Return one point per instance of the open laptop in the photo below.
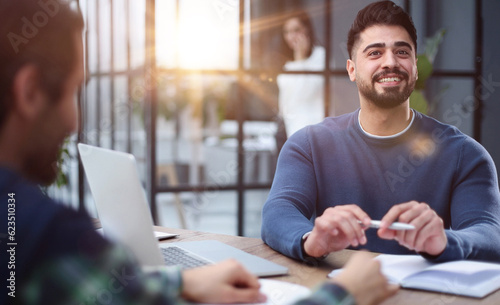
(125, 216)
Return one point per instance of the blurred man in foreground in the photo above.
(54, 255)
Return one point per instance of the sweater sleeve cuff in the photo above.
(453, 250)
(306, 258)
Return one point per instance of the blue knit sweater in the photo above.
(336, 163)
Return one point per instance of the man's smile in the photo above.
(389, 79)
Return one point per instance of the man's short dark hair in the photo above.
(41, 33)
(380, 13)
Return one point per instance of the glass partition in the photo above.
(192, 89)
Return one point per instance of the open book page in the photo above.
(397, 267)
(471, 278)
(466, 267)
(464, 277)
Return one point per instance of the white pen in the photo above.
(394, 226)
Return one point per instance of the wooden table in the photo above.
(310, 276)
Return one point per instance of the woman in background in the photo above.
(301, 96)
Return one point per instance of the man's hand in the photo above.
(364, 281)
(428, 235)
(336, 229)
(226, 282)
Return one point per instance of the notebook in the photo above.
(463, 277)
(125, 217)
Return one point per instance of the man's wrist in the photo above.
(307, 257)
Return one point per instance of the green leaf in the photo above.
(432, 44)
(64, 156)
(418, 101)
(62, 179)
(425, 69)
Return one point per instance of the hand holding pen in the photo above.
(397, 226)
(428, 236)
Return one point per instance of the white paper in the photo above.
(397, 267)
(281, 293)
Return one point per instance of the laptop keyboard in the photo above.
(176, 256)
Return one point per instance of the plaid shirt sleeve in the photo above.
(328, 293)
(110, 277)
(113, 277)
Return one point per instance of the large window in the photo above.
(189, 87)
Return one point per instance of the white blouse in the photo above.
(301, 96)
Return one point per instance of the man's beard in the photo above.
(391, 97)
(42, 167)
(40, 163)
